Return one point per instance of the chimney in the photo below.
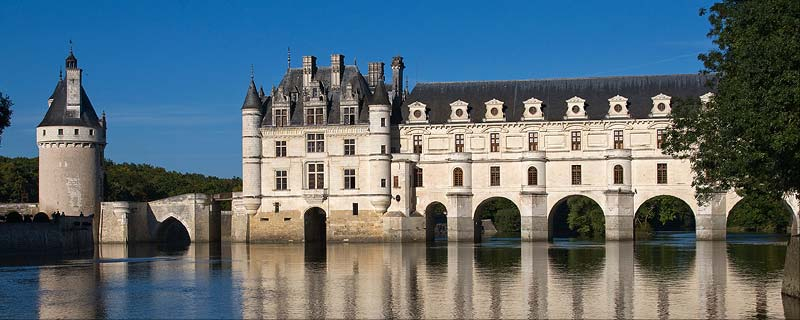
(375, 74)
(397, 75)
(337, 70)
(309, 69)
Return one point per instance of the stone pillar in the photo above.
(711, 218)
(460, 225)
(619, 215)
(791, 270)
(533, 217)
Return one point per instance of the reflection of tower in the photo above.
(71, 140)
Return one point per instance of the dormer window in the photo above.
(576, 108)
(349, 115)
(417, 113)
(315, 116)
(533, 110)
(661, 105)
(618, 107)
(459, 111)
(494, 111)
(281, 117)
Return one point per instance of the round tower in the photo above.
(251, 150)
(380, 161)
(71, 140)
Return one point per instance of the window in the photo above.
(44, 133)
(533, 141)
(349, 115)
(417, 144)
(533, 176)
(618, 174)
(316, 175)
(315, 142)
(60, 132)
(76, 132)
(396, 182)
(383, 149)
(281, 180)
(576, 140)
(494, 142)
(349, 178)
(91, 132)
(659, 138)
(349, 147)
(383, 183)
(661, 173)
(494, 176)
(458, 177)
(576, 174)
(418, 179)
(281, 117)
(383, 122)
(277, 207)
(459, 143)
(315, 116)
(618, 139)
(355, 208)
(280, 148)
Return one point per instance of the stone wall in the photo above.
(22, 208)
(66, 234)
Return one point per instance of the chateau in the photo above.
(333, 154)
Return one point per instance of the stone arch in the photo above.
(13, 217)
(486, 203)
(733, 201)
(687, 221)
(434, 220)
(41, 217)
(556, 220)
(315, 225)
(173, 233)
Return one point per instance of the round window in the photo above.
(575, 109)
(617, 108)
(494, 111)
(417, 114)
(459, 112)
(532, 110)
(661, 107)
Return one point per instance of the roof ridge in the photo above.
(560, 79)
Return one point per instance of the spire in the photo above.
(251, 101)
(71, 61)
(288, 58)
(380, 97)
(261, 91)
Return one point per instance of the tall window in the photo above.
(576, 174)
(76, 131)
(396, 182)
(383, 149)
(417, 144)
(494, 142)
(494, 176)
(349, 178)
(60, 132)
(458, 177)
(316, 175)
(315, 142)
(281, 180)
(349, 147)
(383, 122)
(533, 141)
(661, 173)
(349, 115)
(533, 176)
(618, 174)
(280, 148)
(576, 140)
(459, 142)
(315, 116)
(281, 117)
(618, 139)
(659, 138)
(418, 178)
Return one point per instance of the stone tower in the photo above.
(380, 161)
(251, 149)
(71, 140)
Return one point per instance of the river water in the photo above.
(670, 276)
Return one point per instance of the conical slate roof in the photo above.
(252, 101)
(380, 97)
(57, 113)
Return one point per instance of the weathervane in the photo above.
(252, 72)
(288, 58)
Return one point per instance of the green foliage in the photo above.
(759, 214)
(503, 213)
(5, 112)
(19, 180)
(586, 217)
(748, 137)
(664, 213)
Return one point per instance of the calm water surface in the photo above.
(671, 276)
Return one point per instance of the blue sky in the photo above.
(172, 75)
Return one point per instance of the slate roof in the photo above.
(56, 114)
(437, 96)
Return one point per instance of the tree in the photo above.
(748, 137)
(586, 217)
(5, 113)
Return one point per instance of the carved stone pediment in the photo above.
(618, 107)
(494, 111)
(533, 110)
(576, 108)
(459, 111)
(417, 112)
(661, 106)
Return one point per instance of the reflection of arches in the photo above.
(173, 233)
(503, 213)
(758, 214)
(458, 177)
(591, 222)
(647, 217)
(314, 225)
(435, 221)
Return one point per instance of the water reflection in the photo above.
(668, 277)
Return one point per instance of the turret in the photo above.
(380, 157)
(251, 150)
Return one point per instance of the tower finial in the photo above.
(70, 46)
(288, 58)
(252, 72)
(60, 74)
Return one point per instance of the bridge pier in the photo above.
(619, 215)
(711, 219)
(533, 217)
(460, 224)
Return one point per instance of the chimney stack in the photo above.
(309, 69)
(374, 74)
(397, 75)
(337, 70)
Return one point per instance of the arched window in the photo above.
(533, 176)
(618, 174)
(458, 177)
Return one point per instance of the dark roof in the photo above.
(56, 114)
(251, 100)
(437, 96)
(380, 97)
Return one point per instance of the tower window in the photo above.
(315, 142)
(418, 179)
(349, 178)
(396, 182)
(60, 132)
(618, 174)
(383, 183)
(533, 141)
(76, 132)
(383, 122)
(618, 139)
(533, 176)
(280, 148)
(281, 180)
(494, 142)
(576, 140)
(459, 142)
(458, 177)
(494, 175)
(44, 133)
(91, 132)
(661, 173)
(349, 147)
(576, 174)
(383, 149)
(417, 144)
(316, 175)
